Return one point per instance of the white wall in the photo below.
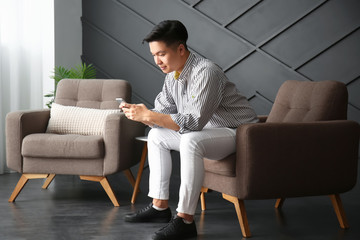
(68, 32)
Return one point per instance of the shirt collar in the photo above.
(187, 67)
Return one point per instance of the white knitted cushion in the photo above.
(77, 120)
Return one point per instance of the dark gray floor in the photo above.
(75, 209)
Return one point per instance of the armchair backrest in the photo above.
(92, 93)
(305, 101)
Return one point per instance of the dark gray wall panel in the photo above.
(261, 104)
(225, 12)
(204, 36)
(192, 2)
(259, 73)
(354, 92)
(269, 17)
(334, 63)
(119, 62)
(260, 44)
(353, 113)
(316, 32)
(122, 24)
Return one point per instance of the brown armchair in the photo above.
(305, 147)
(39, 154)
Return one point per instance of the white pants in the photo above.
(212, 143)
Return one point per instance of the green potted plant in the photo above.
(81, 71)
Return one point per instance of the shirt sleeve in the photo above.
(206, 94)
(164, 102)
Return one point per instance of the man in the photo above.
(196, 113)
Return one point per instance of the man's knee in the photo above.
(163, 138)
(190, 142)
(155, 136)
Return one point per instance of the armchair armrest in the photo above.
(18, 125)
(119, 139)
(296, 159)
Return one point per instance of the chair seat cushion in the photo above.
(49, 145)
(225, 166)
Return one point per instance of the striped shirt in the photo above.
(202, 96)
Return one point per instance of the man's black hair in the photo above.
(169, 31)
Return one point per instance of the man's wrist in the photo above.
(150, 118)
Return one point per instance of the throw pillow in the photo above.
(78, 120)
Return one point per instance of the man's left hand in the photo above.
(135, 112)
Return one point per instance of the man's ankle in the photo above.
(164, 204)
(159, 208)
(188, 218)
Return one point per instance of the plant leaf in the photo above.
(81, 71)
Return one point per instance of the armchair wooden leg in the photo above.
(339, 210)
(21, 183)
(279, 203)
(48, 180)
(105, 184)
(202, 198)
(139, 174)
(241, 213)
(130, 177)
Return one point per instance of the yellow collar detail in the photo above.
(176, 75)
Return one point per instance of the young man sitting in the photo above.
(196, 113)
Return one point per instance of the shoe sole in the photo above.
(160, 237)
(148, 221)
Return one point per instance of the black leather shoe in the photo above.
(176, 229)
(149, 214)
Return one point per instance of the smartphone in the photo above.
(120, 100)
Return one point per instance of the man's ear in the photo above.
(181, 49)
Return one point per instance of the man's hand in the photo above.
(136, 112)
(140, 113)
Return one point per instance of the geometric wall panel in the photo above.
(261, 104)
(354, 93)
(334, 64)
(316, 32)
(114, 20)
(269, 17)
(353, 113)
(223, 13)
(259, 73)
(204, 36)
(192, 2)
(118, 62)
(259, 43)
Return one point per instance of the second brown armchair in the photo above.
(306, 147)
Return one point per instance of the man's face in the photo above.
(167, 58)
